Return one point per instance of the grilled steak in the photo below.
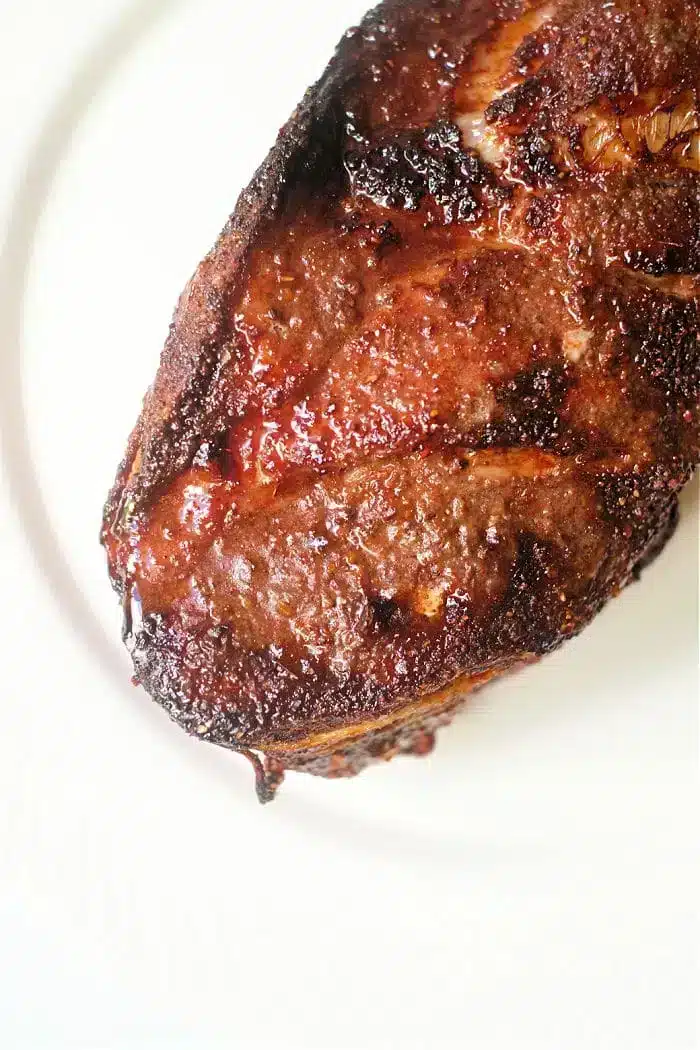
(428, 403)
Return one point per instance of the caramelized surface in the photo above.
(426, 406)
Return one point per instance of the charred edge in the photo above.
(186, 436)
(667, 526)
(166, 664)
(643, 508)
(531, 619)
(183, 671)
(318, 166)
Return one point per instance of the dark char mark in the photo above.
(661, 335)
(404, 171)
(529, 409)
(385, 612)
(666, 260)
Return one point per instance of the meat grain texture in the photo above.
(427, 405)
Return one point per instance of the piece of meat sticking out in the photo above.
(428, 404)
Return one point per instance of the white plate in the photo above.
(528, 885)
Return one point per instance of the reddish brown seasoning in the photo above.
(428, 403)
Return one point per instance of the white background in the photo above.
(531, 885)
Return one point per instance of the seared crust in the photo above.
(428, 403)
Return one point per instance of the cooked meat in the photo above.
(428, 403)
